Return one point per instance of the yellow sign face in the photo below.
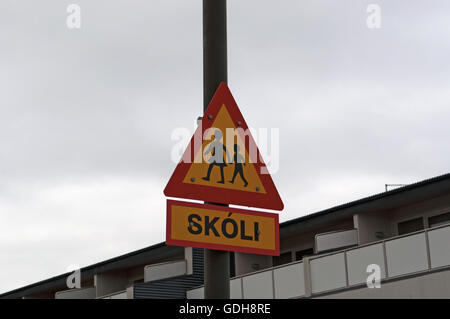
(232, 168)
(222, 228)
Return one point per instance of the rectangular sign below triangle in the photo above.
(222, 228)
(222, 163)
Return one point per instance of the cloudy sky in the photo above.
(86, 116)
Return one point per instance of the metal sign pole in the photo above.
(217, 263)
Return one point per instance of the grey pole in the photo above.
(214, 47)
(217, 263)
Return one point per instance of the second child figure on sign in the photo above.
(238, 168)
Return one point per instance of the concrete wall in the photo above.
(110, 282)
(82, 293)
(246, 263)
(370, 226)
(165, 270)
(431, 285)
(428, 208)
(306, 240)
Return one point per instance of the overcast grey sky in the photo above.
(86, 115)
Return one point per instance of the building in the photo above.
(404, 232)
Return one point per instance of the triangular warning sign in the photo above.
(222, 163)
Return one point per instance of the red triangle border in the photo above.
(176, 188)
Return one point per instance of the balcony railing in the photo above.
(397, 257)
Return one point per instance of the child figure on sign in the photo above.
(217, 149)
(238, 168)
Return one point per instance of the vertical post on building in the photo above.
(217, 263)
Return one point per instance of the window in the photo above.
(439, 220)
(410, 226)
(303, 253)
(284, 258)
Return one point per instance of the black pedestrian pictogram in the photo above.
(217, 157)
(238, 168)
